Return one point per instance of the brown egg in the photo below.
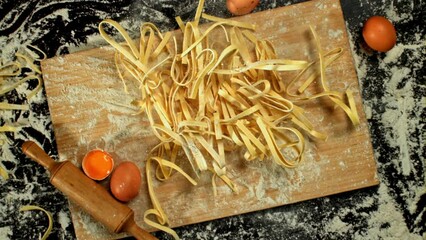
(241, 7)
(125, 181)
(379, 33)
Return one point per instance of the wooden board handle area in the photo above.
(86, 193)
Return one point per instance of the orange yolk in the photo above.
(97, 164)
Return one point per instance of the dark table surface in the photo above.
(393, 91)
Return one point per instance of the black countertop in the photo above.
(393, 91)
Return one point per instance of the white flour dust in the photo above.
(399, 121)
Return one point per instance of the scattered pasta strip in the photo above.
(25, 79)
(229, 22)
(3, 173)
(38, 52)
(334, 96)
(13, 70)
(157, 211)
(49, 216)
(9, 70)
(206, 96)
(8, 129)
(16, 72)
(8, 106)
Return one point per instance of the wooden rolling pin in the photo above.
(88, 194)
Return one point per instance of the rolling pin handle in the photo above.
(132, 228)
(92, 197)
(36, 153)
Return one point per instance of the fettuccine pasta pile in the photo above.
(206, 98)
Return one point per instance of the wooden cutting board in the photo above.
(89, 109)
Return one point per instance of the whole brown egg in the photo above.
(241, 7)
(125, 181)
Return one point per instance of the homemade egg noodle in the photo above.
(207, 98)
(12, 71)
(48, 214)
(11, 77)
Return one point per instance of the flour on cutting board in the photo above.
(109, 103)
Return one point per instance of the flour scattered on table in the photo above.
(64, 219)
(6, 232)
(395, 111)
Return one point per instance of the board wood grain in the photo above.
(89, 109)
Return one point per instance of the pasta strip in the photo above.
(16, 70)
(29, 61)
(271, 65)
(252, 138)
(9, 106)
(229, 22)
(3, 173)
(38, 50)
(48, 214)
(157, 211)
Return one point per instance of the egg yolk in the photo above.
(97, 164)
